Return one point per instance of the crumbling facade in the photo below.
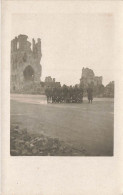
(25, 63)
(88, 78)
(51, 82)
(109, 90)
(49, 79)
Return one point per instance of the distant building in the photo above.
(25, 64)
(88, 78)
(109, 90)
(49, 79)
(50, 82)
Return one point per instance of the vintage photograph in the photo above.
(62, 85)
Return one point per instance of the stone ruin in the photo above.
(51, 82)
(88, 78)
(25, 64)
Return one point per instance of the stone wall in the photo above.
(25, 63)
(109, 90)
(51, 82)
(88, 78)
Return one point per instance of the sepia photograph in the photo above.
(62, 84)
(62, 97)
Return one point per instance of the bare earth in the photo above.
(84, 126)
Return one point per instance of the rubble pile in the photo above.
(22, 143)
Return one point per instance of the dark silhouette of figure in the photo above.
(48, 92)
(90, 94)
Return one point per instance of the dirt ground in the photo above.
(83, 126)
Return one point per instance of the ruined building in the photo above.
(51, 82)
(25, 64)
(88, 78)
(109, 90)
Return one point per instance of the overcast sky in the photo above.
(71, 42)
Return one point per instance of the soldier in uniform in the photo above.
(48, 92)
(90, 94)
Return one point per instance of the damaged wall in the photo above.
(25, 63)
(88, 78)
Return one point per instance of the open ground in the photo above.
(84, 126)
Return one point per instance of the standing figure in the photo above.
(48, 92)
(90, 94)
(80, 95)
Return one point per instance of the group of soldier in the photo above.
(67, 94)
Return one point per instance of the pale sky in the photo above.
(71, 42)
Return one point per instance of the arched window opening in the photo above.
(28, 73)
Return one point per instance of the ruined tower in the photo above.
(88, 78)
(25, 63)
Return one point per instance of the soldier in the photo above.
(48, 92)
(80, 95)
(90, 94)
(54, 95)
(65, 91)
